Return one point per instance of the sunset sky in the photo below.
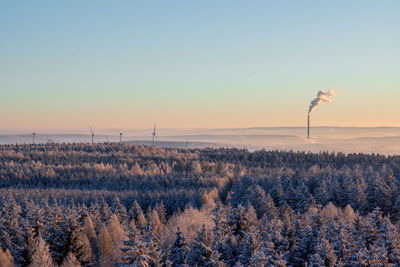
(65, 65)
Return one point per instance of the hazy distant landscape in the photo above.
(383, 140)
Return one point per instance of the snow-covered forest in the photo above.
(125, 205)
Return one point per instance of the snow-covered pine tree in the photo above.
(79, 243)
(271, 211)
(11, 235)
(120, 212)
(389, 238)
(106, 211)
(244, 239)
(140, 219)
(117, 234)
(220, 229)
(152, 241)
(41, 256)
(342, 243)
(325, 253)
(258, 201)
(178, 251)
(201, 252)
(94, 212)
(161, 211)
(56, 235)
(134, 250)
(105, 243)
(88, 229)
(258, 259)
(70, 261)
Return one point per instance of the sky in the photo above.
(65, 65)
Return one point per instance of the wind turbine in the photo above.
(33, 138)
(92, 134)
(154, 134)
(120, 138)
(49, 141)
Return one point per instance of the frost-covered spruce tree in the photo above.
(228, 252)
(280, 260)
(41, 254)
(134, 250)
(152, 215)
(11, 235)
(94, 212)
(302, 243)
(258, 259)
(269, 252)
(70, 261)
(201, 252)
(31, 235)
(315, 260)
(131, 237)
(26, 256)
(271, 211)
(220, 229)
(287, 238)
(120, 212)
(117, 234)
(178, 251)
(105, 242)
(388, 239)
(325, 253)
(161, 211)
(258, 201)
(359, 254)
(373, 237)
(138, 215)
(342, 243)
(88, 230)
(79, 243)
(56, 235)
(106, 211)
(248, 247)
(396, 210)
(152, 241)
(377, 256)
(242, 239)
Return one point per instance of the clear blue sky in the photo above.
(127, 64)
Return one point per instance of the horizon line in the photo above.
(80, 131)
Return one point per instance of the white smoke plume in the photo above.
(322, 98)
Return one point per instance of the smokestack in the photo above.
(322, 98)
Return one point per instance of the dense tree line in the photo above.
(123, 205)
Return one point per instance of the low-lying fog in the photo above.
(384, 140)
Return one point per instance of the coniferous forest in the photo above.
(123, 205)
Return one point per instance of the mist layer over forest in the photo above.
(383, 140)
(128, 205)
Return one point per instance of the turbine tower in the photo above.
(154, 134)
(92, 134)
(33, 138)
(120, 138)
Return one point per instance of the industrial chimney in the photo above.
(322, 98)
